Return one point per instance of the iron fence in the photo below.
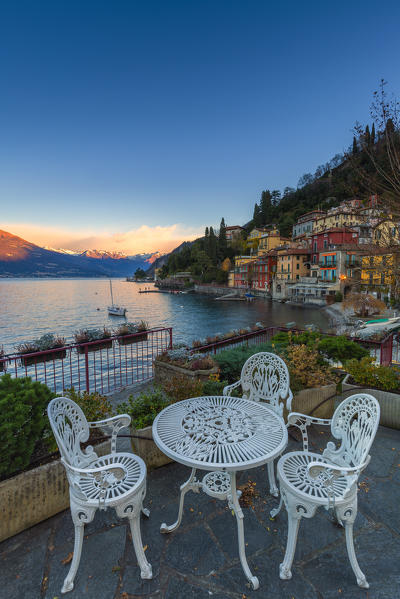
(104, 366)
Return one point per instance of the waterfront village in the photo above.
(331, 252)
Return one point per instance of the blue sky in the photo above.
(118, 117)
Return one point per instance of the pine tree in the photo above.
(276, 197)
(355, 146)
(206, 234)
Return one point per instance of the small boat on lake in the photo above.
(115, 310)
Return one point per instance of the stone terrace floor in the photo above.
(200, 560)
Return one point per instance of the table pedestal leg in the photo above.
(234, 505)
(190, 485)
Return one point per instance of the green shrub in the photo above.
(365, 373)
(144, 407)
(341, 349)
(23, 419)
(231, 361)
(284, 338)
(338, 296)
(213, 387)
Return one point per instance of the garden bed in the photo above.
(318, 402)
(165, 372)
(389, 402)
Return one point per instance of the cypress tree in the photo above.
(222, 244)
(265, 207)
(212, 249)
(367, 136)
(355, 146)
(256, 216)
(373, 134)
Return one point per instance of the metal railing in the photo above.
(104, 365)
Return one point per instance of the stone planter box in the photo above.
(147, 449)
(389, 402)
(308, 401)
(163, 371)
(99, 345)
(35, 495)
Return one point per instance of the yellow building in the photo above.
(338, 218)
(292, 264)
(253, 238)
(377, 269)
(269, 241)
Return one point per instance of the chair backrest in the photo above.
(70, 429)
(355, 423)
(265, 377)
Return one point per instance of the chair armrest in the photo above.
(289, 401)
(104, 476)
(116, 423)
(335, 470)
(302, 421)
(229, 388)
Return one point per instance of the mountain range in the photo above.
(21, 258)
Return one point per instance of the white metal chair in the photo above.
(308, 480)
(265, 378)
(115, 480)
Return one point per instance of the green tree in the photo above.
(139, 273)
(212, 252)
(266, 207)
(355, 146)
(257, 218)
(276, 197)
(222, 243)
(373, 134)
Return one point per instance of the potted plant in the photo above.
(45, 343)
(132, 332)
(85, 336)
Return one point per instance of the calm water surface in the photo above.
(32, 307)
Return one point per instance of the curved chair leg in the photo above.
(132, 511)
(80, 517)
(146, 512)
(348, 513)
(271, 477)
(273, 513)
(285, 572)
(145, 567)
(234, 504)
(190, 485)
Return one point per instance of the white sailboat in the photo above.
(115, 310)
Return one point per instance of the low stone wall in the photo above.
(389, 403)
(147, 449)
(35, 495)
(163, 372)
(220, 290)
(308, 401)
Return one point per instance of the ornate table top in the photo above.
(220, 433)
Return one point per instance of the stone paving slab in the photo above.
(200, 560)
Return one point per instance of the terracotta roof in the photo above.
(294, 251)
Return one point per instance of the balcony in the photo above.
(327, 264)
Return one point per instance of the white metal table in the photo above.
(222, 435)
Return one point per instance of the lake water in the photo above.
(30, 308)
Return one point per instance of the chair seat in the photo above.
(118, 488)
(292, 471)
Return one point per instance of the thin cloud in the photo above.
(134, 241)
